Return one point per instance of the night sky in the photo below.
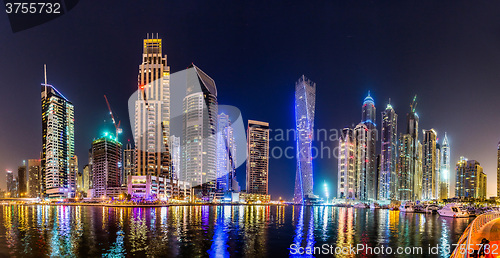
(446, 52)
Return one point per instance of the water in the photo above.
(216, 231)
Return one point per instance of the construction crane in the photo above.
(117, 126)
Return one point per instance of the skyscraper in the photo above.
(445, 169)
(258, 158)
(128, 163)
(429, 166)
(368, 118)
(152, 123)
(199, 139)
(175, 147)
(305, 99)
(405, 168)
(106, 157)
(57, 142)
(470, 179)
(226, 156)
(347, 180)
(73, 175)
(11, 184)
(23, 180)
(35, 178)
(437, 179)
(360, 138)
(387, 189)
(410, 159)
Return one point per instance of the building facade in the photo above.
(106, 170)
(23, 180)
(199, 139)
(258, 158)
(152, 124)
(35, 178)
(387, 186)
(57, 143)
(305, 98)
(226, 156)
(347, 177)
(360, 150)
(368, 118)
(470, 179)
(445, 169)
(430, 166)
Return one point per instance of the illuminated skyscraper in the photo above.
(305, 99)
(175, 147)
(368, 117)
(388, 186)
(128, 163)
(445, 169)
(470, 179)
(226, 156)
(106, 166)
(58, 145)
(438, 171)
(360, 138)
(347, 178)
(429, 166)
(199, 139)
(35, 178)
(152, 123)
(73, 175)
(258, 158)
(11, 184)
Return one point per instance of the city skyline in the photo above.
(430, 86)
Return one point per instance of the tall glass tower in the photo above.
(387, 189)
(429, 166)
(368, 118)
(305, 99)
(445, 169)
(58, 144)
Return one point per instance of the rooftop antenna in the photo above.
(45, 73)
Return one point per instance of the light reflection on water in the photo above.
(215, 231)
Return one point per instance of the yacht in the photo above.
(360, 205)
(374, 205)
(431, 208)
(407, 207)
(453, 210)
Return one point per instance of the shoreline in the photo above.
(142, 205)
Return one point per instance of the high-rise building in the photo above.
(438, 171)
(84, 183)
(23, 180)
(57, 142)
(368, 118)
(73, 176)
(470, 179)
(445, 169)
(226, 156)
(128, 163)
(404, 170)
(35, 178)
(106, 157)
(347, 177)
(11, 184)
(152, 124)
(175, 147)
(360, 150)
(388, 185)
(258, 158)
(410, 159)
(305, 99)
(199, 139)
(429, 166)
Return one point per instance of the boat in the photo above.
(453, 210)
(431, 208)
(374, 205)
(407, 207)
(360, 205)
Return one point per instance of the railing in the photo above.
(464, 246)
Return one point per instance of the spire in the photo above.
(445, 141)
(368, 99)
